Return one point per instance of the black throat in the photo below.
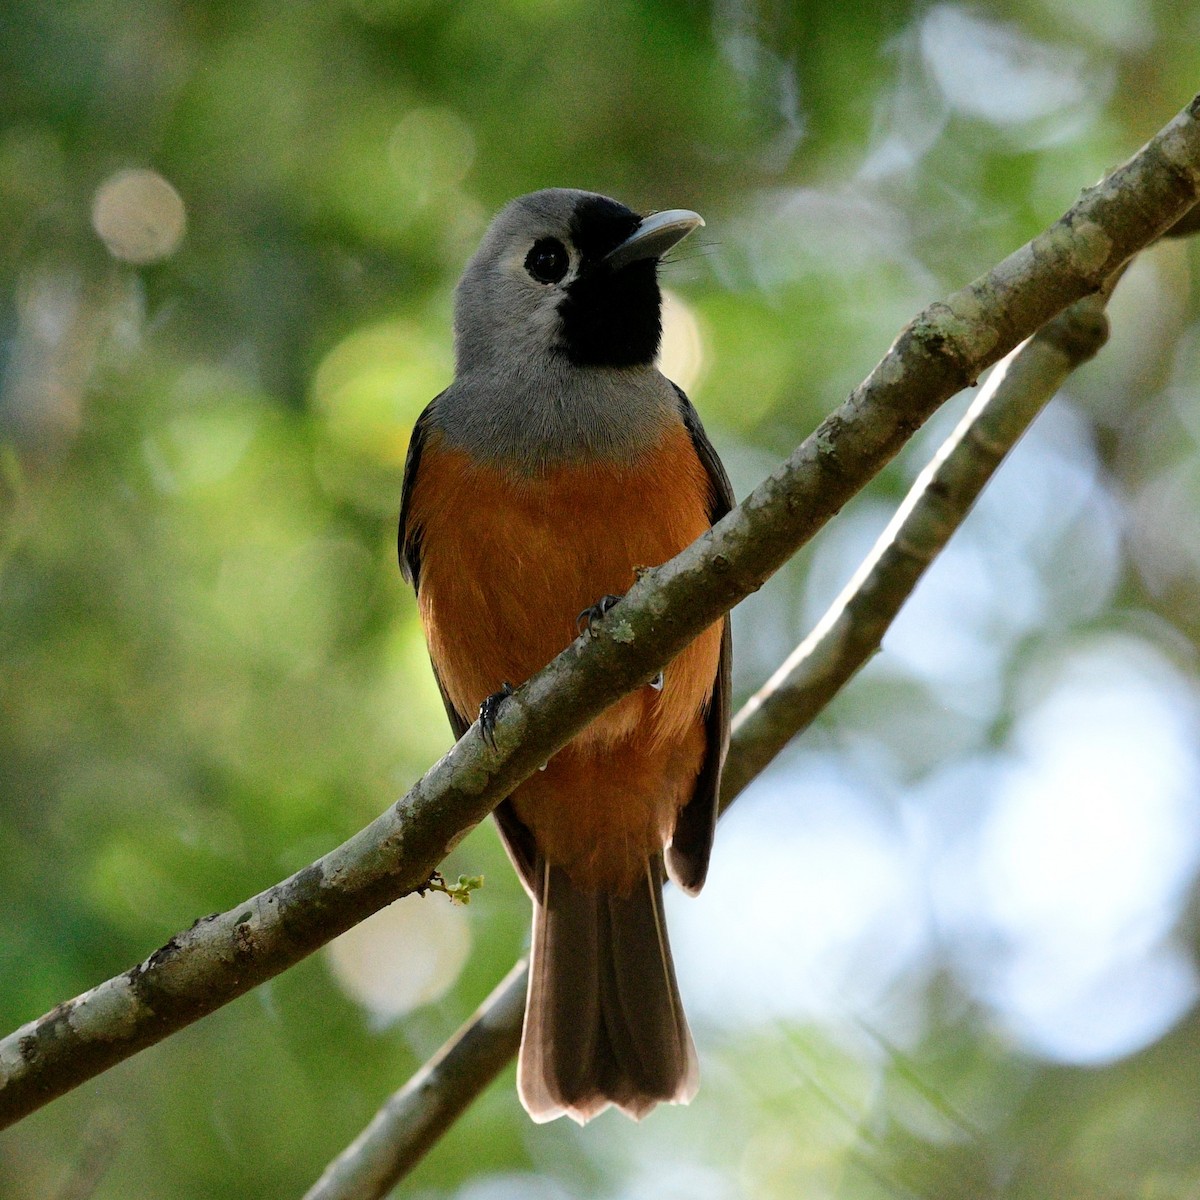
(609, 318)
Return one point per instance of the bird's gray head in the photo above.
(564, 276)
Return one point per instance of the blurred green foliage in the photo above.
(210, 671)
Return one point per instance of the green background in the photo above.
(211, 672)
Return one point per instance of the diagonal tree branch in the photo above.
(417, 1115)
(222, 956)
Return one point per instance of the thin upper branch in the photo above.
(414, 1117)
(941, 497)
(948, 345)
(412, 1120)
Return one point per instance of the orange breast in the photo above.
(507, 563)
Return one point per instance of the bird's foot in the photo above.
(489, 710)
(590, 615)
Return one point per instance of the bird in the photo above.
(558, 464)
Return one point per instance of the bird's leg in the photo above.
(594, 613)
(590, 615)
(489, 710)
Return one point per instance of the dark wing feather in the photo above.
(515, 835)
(408, 541)
(458, 723)
(722, 490)
(517, 839)
(688, 854)
(518, 842)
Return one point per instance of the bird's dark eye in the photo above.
(547, 262)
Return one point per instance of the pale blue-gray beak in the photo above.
(654, 237)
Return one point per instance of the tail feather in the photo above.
(603, 1021)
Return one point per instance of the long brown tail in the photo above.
(603, 1021)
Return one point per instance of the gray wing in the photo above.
(517, 839)
(688, 854)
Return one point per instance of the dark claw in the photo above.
(594, 612)
(489, 710)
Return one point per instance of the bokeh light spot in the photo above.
(820, 917)
(403, 956)
(683, 352)
(139, 216)
(370, 387)
(990, 70)
(1089, 852)
(431, 150)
